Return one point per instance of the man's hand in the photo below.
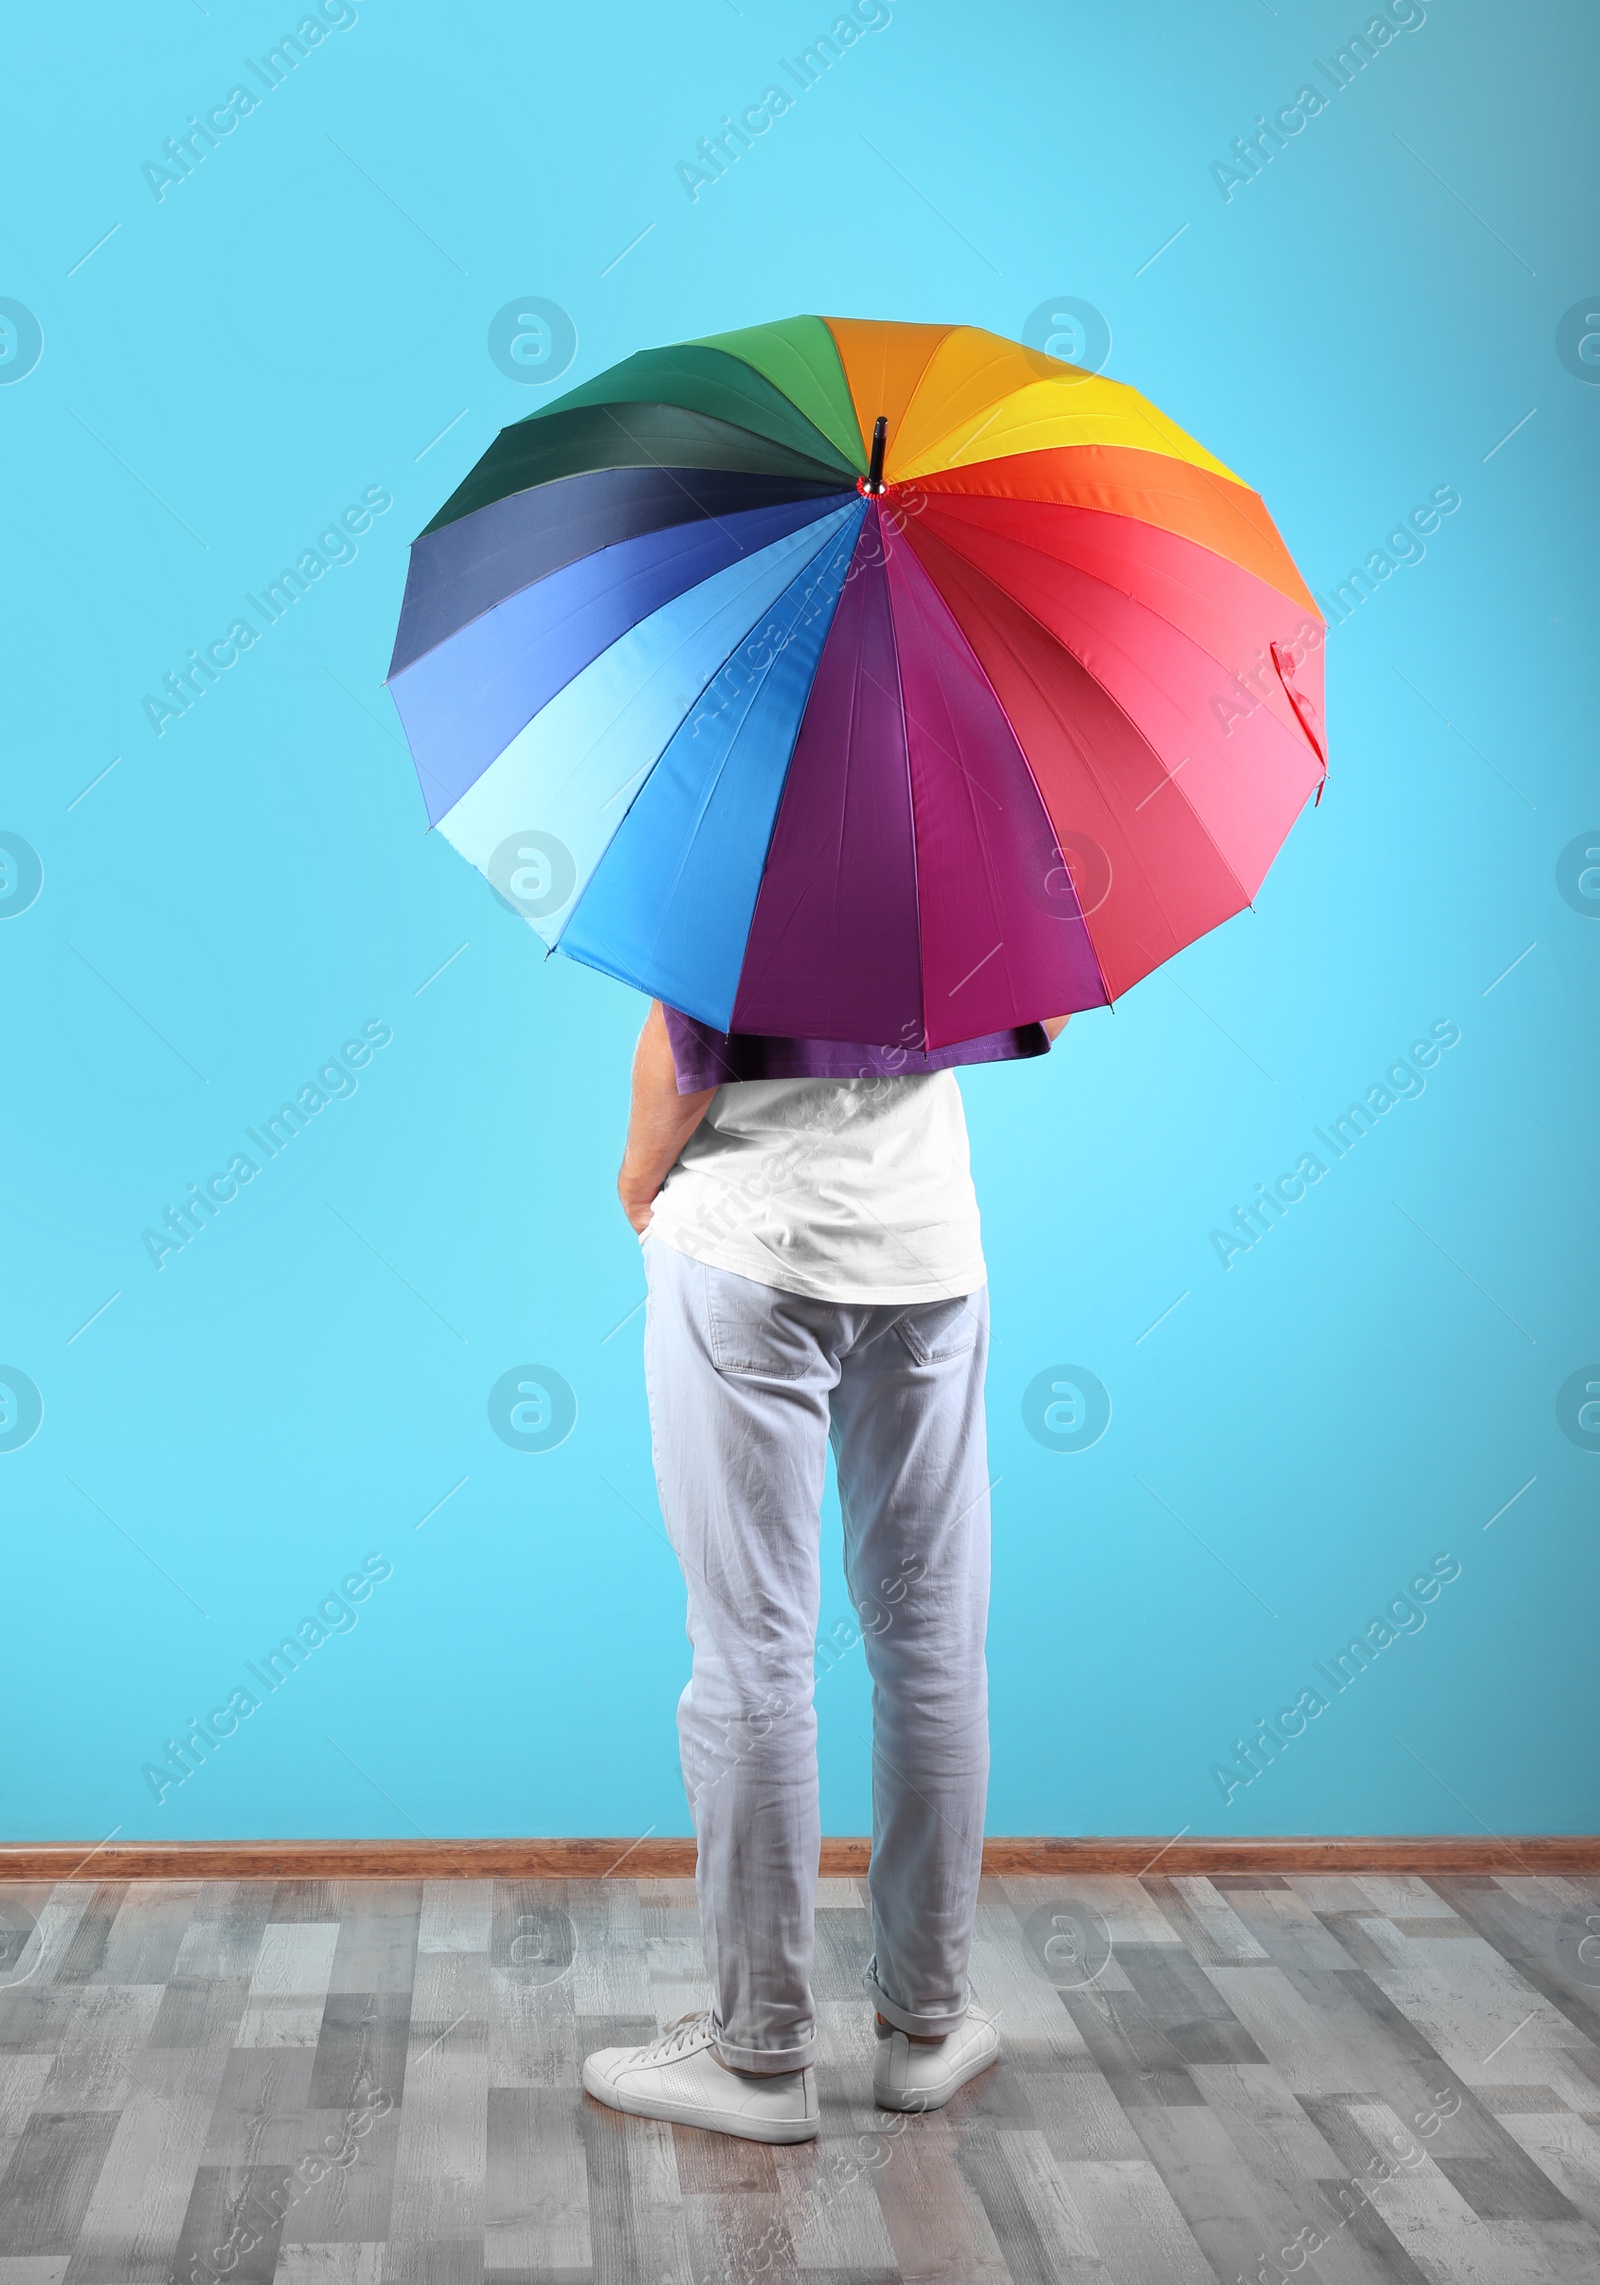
(1055, 1026)
(660, 1121)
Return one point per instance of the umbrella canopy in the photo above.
(860, 681)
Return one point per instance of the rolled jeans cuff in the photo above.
(764, 2062)
(905, 2018)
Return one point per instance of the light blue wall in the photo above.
(1306, 1430)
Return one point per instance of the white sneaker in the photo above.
(678, 2077)
(908, 2075)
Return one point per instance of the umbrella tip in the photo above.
(880, 437)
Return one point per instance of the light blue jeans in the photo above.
(747, 1384)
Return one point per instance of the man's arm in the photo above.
(1056, 1025)
(660, 1120)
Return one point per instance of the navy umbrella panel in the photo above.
(465, 567)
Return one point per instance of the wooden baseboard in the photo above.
(656, 1858)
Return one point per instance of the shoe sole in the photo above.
(716, 2122)
(921, 2098)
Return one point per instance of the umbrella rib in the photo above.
(998, 902)
(1111, 700)
(911, 783)
(828, 550)
(610, 412)
(1190, 586)
(820, 379)
(1229, 495)
(1158, 445)
(922, 374)
(998, 899)
(1087, 762)
(634, 783)
(996, 358)
(825, 380)
(1119, 587)
(1226, 495)
(934, 738)
(801, 895)
(926, 371)
(826, 503)
(982, 671)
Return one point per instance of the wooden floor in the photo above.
(376, 2083)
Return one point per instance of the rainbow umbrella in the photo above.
(860, 681)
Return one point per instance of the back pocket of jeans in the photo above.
(756, 1331)
(939, 1330)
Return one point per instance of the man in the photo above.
(812, 1249)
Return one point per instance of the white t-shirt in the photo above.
(844, 1189)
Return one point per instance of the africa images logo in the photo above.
(1066, 1408)
(532, 1408)
(21, 1408)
